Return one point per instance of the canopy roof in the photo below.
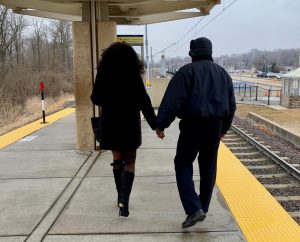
(293, 74)
(131, 12)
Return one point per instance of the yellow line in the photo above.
(260, 217)
(17, 134)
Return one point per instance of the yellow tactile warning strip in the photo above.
(23, 131)
(260, 217)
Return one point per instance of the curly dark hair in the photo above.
(119, 74)
(119, 60)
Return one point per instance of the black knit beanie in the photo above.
(201, 46)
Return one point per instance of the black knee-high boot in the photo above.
(118, 166)
(127, 181)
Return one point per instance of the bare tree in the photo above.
(36, 42)
(62, 43)
(5, 39)
(17, 26)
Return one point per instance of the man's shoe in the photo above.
(192, 219)
(123, 211)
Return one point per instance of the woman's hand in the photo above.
(160, 134)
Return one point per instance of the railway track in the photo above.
(277, 175)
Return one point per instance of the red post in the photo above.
(42, 87)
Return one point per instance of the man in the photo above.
(200, 94)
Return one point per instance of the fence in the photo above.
(269, 95)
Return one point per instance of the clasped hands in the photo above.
(160, 134)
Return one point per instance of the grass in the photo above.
(289, 118)
(14, 116)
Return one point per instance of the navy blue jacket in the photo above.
(199, 90)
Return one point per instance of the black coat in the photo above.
(201, 90)
(120, 113)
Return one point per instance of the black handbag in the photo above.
(97, 127)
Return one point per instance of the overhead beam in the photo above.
(62, 8)
(157, 18)
(155, 7)
(44, 14)
(122, 11)
(209, 7)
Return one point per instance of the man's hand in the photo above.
(160, 134)
(222, 136)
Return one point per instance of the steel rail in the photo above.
(285, 165)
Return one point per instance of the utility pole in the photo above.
(148, 80)
(265, 60)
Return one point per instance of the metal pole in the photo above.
(245, 90)
(94, 41)
(250, 90)
(151, 72)
(43, 102)
(265, 60)
(96, 110)
(280, 97)
(147, 54)
(256, 93)
(269, 93)
(43, 108)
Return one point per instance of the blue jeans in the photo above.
(200, 138)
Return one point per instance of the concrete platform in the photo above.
(50, 192)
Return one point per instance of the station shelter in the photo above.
(290, 96)
(94, 29)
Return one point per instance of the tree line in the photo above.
(259, 60)
(262, 60)
(33, 50)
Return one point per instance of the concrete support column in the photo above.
(83, 77)
(107, 34)
(90, 38)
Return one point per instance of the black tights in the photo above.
(128, 157)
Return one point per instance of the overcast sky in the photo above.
(247, 24)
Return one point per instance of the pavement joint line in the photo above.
(134, 176)
(153, 232)
(27, 150)
(106, 176)
(72, 178)
(34, 231)
(45, 226)
(34, 178)
(157, 148)
(14, 235)
(94, 158)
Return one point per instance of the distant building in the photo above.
(290, 96)
(231, 69)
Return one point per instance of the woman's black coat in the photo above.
(120, 112)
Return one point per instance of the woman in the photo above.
(120, 91)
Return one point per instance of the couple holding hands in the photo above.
(200, 94)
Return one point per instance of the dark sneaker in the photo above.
(192, 219)
(123, 212)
